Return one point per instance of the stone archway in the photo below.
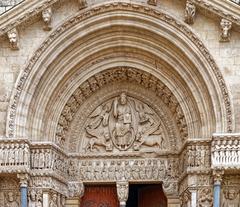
(67, 101)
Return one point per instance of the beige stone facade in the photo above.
(120, 92)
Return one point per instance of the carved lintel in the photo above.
(23, 179)
(122, 192)
(82, 4)
(47, 18)
(217, 176)
(226, 26)
(152, 2)
(76, 189)
(190, 12)
(13, 39)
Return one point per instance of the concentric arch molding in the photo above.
(108, 7)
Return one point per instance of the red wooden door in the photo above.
(100, 196)
(151, 196)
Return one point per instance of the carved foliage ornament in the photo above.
(121, 123)
(122, 192)
(139, 113)
(80, 17)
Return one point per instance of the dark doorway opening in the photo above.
(146, 195)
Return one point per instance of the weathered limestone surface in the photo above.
(120, 92)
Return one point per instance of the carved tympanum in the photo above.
(122, 123)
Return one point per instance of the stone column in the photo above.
(217, 175)
(23, 189)
(193, 197)
(46, 199)
(122, 192)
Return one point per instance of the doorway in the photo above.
(146, 195)
(100, 196)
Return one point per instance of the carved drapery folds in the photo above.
(14, 156)
(105, 111)
(226, 26)
(13, 38)
(123, 123)
(190, 12)
(35, 197)
(122, 192)
(47, 18)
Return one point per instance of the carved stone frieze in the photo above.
(190, 12)
(142, 116)
(13, 38)
(48, 182)
(132, 170)
(102, 8)
(226, 26)
(14, 156)
(226, 152)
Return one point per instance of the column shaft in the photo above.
(24, 190)
(216, 195)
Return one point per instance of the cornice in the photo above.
(22, 13)
(28, 9)
(222, 8)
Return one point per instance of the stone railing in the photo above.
(226, 151)
(6, 5)
(14, 156)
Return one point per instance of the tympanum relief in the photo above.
(123, 123)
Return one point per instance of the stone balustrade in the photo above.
(226, 151)
(14, 156)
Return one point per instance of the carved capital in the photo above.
(82, 4)
(47, 18)
(23, 179)
(13, 39)
(76, 189)
(226, 26)
(190, 12)
(217, 176)
(122, 192)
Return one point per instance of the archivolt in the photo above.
(152, 32)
